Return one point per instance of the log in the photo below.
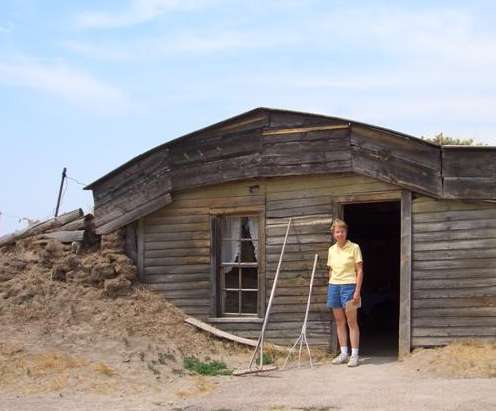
(78, 224)
(219, 333)
(223, 334)
(64, 236)
(41, 227)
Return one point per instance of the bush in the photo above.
(206, 368)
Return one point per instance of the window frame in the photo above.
(217, 311)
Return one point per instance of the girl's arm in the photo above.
(358, 289)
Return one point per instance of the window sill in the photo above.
(235, 320)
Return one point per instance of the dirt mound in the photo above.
(468, 359)
(80, 322)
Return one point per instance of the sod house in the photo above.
(206, 213)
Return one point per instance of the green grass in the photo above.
(266, 359)
(206, 368)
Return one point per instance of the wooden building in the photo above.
(206, 215)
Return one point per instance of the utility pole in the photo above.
(64, 173)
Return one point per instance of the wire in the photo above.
(76, 181)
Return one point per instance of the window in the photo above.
(238, 268)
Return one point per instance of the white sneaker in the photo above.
(353, 362)
(341, 358)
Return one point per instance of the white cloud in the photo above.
(63, 81)
(5, 28)
(149, 48)
(136, 12)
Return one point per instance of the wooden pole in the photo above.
(269, 306)
(64, 173)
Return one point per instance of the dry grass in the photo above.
(76, 338)
(468, 359)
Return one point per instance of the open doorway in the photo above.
(376, 227)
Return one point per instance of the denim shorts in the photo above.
(339, 294)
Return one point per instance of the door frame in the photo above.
(405, 199)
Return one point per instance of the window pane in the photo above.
(231, 277)
(248, 252)
(230, 252)
(252, 227)
(249, 302)
(231, 302)
(249, 278)
(230, 234)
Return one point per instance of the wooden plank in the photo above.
(219, 333)
(456, 312)
(455, 264)
(42, 227)
(397, 171)
(467, 234)
(455, 254)
(454, 322)
(485, 291)
(404, 341)
(175, 278)
(157, 237)
(179, 285)
(180, 228)
(386, 144)
(438, 341)
(140, 239)
(455, 273)
(279, 131)
(469, 161)
(178, 252)
(216, 202)
(132, 214)
(175, 261)
(215, 260)
(190, 269)
(470, 187)
(427, 204)
(458, 215)
(176, 220)
(454, 283)
(472, 302)
(63, 236)
(174, 244)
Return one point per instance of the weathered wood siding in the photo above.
(454, 271)
(469, 172)
(140, 188)
(177, 240)
(404, 161)
(275, 143)
(313, 198)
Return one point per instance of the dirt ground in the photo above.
(377, 384)
(78, 333)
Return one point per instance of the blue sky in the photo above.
(90, 84)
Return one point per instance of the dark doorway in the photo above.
(376, 227)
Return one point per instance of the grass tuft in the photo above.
(206, 368)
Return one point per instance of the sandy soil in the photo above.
(377, 384)
(78, 334)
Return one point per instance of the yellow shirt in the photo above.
(341, 262)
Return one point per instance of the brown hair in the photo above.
(338, 223)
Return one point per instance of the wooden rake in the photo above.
(260, 342)
(302, 339)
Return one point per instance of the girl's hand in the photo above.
(356, 297)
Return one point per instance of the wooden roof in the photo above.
(267, 142)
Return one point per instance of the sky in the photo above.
(90, 84)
